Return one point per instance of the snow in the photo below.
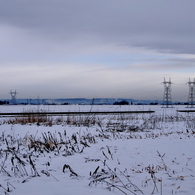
(156, 158)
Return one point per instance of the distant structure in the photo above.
(191, 95)
(93, 100)
(167, 100)
(13, 96)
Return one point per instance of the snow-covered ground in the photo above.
(98, 154)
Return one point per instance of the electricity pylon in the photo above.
(13, 96)
(167, 100)
(191, 95)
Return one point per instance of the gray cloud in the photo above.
(171, 64)
(165, 26)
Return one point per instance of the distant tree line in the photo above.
(123, 102)
(4, 102)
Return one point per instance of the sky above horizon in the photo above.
(94, 49)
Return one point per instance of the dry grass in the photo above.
(18, 158)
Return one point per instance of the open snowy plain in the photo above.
(97, 154)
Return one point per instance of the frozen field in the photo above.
(23, 108)
(97, 154)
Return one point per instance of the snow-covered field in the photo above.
(98, 154)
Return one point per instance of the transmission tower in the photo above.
(13, 96)
(191, 95)
(167, 100)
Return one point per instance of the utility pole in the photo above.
(167, 100)
(191, 95)
(13, 96)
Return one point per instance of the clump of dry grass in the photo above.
(47, 120)
(18, 156)
(112, 179)
(60, 143)
(72, 173)
(31, 119)
(19, 152)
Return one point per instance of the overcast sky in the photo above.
(96, 48)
